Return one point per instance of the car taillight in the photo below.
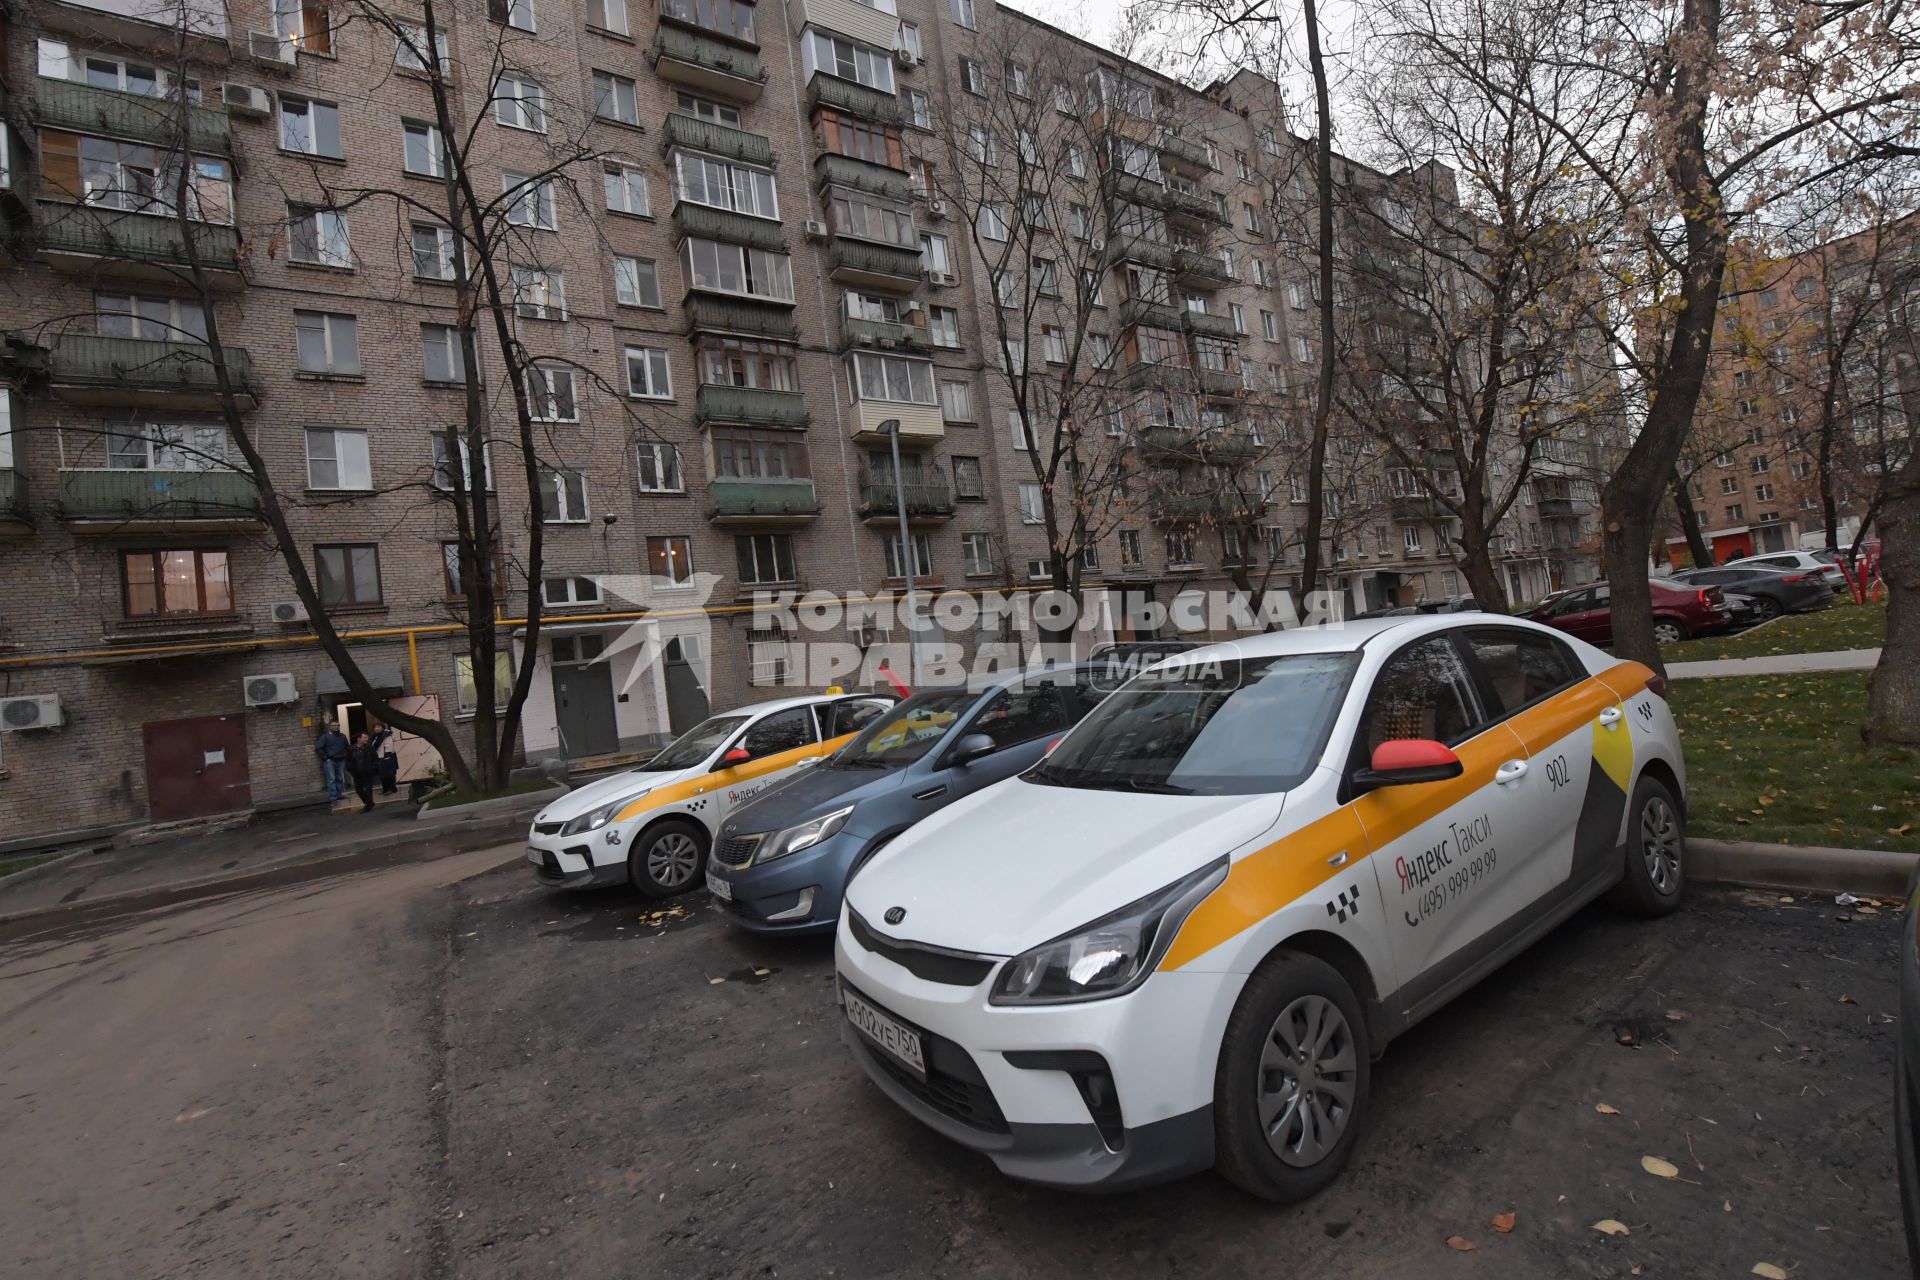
(1797, 577)
(1657, 686)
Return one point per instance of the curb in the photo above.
(1879, 872)
(523, 805)
(57, 860)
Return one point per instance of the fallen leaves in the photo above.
(1659, 1168)
(1612, 1227)
(1503, 1222)
(1768, 1270)
(1606, 1110)
(1460, 1244)
(1848, 1000)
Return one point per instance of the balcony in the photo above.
(1418, 506)
(718, 140)
(1438, 459)
(1197, 205)
(708, 314)
(1143, 375)
(113, 502)
(106, 243)
(861, 175)
(1208, 325)
(1230, 446)
(86, 369)
(1185, 151)
(863, 22)
(1200, 270)
(847, 95)
(750, 405)
(1118, 184)
(928, 501)
(1168, 443)
(886, 334)
(762, 502)
(1222, 384)
(875, 266)
(63, 104)
(1561, 508)
(1151, 253)
(707, 64)
(15, 516)
(1160, 315)
(691, 219)
(921, 425)
(1223, 508)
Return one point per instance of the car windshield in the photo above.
(906, 732)
(696, 744)
(1212, 727)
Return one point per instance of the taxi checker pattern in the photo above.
(1345, 904)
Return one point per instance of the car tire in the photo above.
(1655, 878)
(1767, 608)
(668, 858)
(1269, 1104)
(1669, 631)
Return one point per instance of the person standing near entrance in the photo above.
(332, 748)
(388, 759)
(365, 767)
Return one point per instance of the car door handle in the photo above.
(1511, 771)
(1610, 718)
(930, 792)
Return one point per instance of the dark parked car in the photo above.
(1773, 592)
(1906, 1073)
(1678, 612)
(782, 863)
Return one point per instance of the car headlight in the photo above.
(1111, 956)
(594, 819)
(802, 835)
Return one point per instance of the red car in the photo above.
(1678, 612)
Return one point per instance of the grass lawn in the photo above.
(10, 865)
(1778, 759)
(1844, 626)
(448, 799)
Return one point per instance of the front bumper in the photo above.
(569, 862)
(778, 888)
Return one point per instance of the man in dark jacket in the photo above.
(332, 748)
(364, 767)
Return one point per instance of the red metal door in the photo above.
(196, 767)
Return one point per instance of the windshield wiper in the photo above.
(859, 762)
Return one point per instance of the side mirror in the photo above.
(734, 755)
(1408, 760)
(971, 748)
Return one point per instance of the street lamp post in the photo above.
(892, 428)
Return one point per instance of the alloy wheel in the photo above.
(672, 860)
(1660, 843)
(1308, 1073)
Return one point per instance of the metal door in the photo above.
(583, 704)
(196, 767)
(686, 699)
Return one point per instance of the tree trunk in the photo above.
(1690, 524)
(1323, 388)
(1893, 693)
(1483, 580)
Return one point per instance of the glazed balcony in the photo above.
(928, 501)
(847, 95)
(708, 314)
(875, 266)
(718, 139)
(88, 369)
(15, 516)
(754, 406)
(104, 243)
(701, 220)
(125, 501)
(707, 64)
(762, 502)
(64, 104)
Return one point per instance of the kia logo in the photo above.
(896, 914)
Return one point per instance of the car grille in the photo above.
(935, 964)
(737, 851)
(954, 1086)
(549, 867)
(547, 828)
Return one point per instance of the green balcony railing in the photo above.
(13, 494)
(716, 403)
(846, 171)
(923, 497)
(166, 495)
(845, 95)
(876, 259)
(724, 224)
(718, 139)
(87, 360)
(704, 51)
(766, 498)
(727, 315)
(134, 237)
(65, 104)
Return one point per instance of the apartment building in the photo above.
(745, 296)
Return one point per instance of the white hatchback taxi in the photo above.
(653, 826)
(1179, 940)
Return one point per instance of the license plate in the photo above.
(721, 889)
(898, 1039)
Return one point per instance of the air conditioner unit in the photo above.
(270, 691)
(245, 99)
(1095, 244)
(815, 229)
(869, 636)
(942, 278)
(936, 208)
(905, 58)
(34, 711)
(289, 611)
(274, 50)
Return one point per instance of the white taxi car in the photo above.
(652, 826)
(1179, 940)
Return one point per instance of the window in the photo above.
(728, 17)
(1017, 430)
(466, 698)
(1130, 550)
(1241, 167)
(993, 222)
(636, 282)
(1032, 503)
(626, 188)
(765, 558)
(1735, 511)
(980, 145)
(410, 47)
(318, 237)
(1016, 77)
(1269, 326)
(933, 252)
(309, 127)
(432, 251)
(1422, 692)
(973, 77)
(956, 402)
(1729, 486)
(569, 591)
(1100, 347)
(741, 362)
(1805, 287)
(1302, 350)
(129, 175)
(1260, 272)
(120, 315)
(520, 102)
(962, 11)
(706, 109)
(919, 109)
(866, 218)
(327, 341)
(737, 269)
(841, 57)
(539, 293)
(337, 459)
(976, 554)
(648, 377)
(423, 150)
(908, 41)
(347, 575)
(529, 202)
(442, 359)
(443, 470)
(967, 482)
(945, 325)
(1238, 316)
(550, 393)
(1180, 549)
(660, 468)
(1763, 493)
(1760, 464)
(1410, 537)
(301, 23)
(515, 13)
(891, 378)
(721, 184)
(162, 584)
(155, 446)
(1076, 161)
(749, 453)
(613, 98)
(1046, 277)
(608, 15)
(670, 560)
(922, 557)
(563, 496)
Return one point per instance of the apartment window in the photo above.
(636, 282)
(1053, 343)
(441, 356)
(410, 47)
(1302, 350)
(967, 481)
(962, 11)
(626, 189)
(765, 558)
(1801, 468)
(660, 468)
(933, 252)
(945, 325)
(347, 574)
(1017, 430)
(520, 102)
(129, 175)
(1076, 161)
(1747, 408)
(1131, 554)
(706, 109)
(922, 557)
(670, 559)
(749, 453)
(608, 15)
(737, 269)
(1728, 486)
(318, 237)
(738, 362)
(728, 17)
(723, 185)
(539, 293)
(976, 554)
(993, 222)
(466, 697)
(561, 592)
(848, 60)
(1032, 503)
(154, 446)
(1269, 326)
(529, 202)
(310, 127)
(514, 13)
(908, 41)
(550, 393)
(174, 583)
(1239, 317)
(443, 467)
(973, 77)
(956, 402)
(865, 218)
(1760, 464)
(1027, 144)
(919, 109)
(1410, 538)
(432, 251)
(337, 459)
(1756, 434)
(1241, 167)
(895, 379)
(157, 319)
(327, 342)
(423, 150)
(1805, 287)
(1735, 511)
(1180, 549)
(1016, 77)
(1763, 493)
(1100, 347)
(1723, 459)
(303, 24)
(980, 145)
(613, 98)
(648, 377)
(563, 497)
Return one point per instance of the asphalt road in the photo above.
(440, 1070)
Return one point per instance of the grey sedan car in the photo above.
(781, 864)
